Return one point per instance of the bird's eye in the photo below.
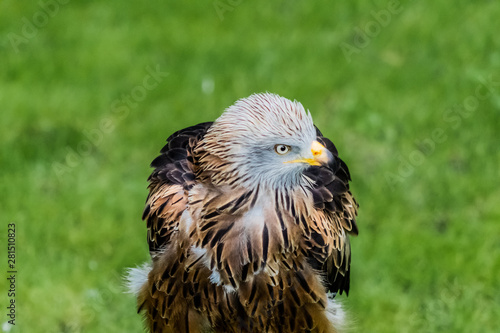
(282, 149)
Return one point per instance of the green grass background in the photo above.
(427, 256)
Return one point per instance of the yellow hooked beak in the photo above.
(321, 155)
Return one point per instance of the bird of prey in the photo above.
(247, 224)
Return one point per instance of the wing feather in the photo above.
(172, 177)
(327, 246)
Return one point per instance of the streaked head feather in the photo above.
(244, 136)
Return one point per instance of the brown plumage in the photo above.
(247, 223)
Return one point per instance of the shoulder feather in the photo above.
(172, 177)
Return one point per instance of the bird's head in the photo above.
(264, 139)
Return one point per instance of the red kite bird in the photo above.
(248, 220)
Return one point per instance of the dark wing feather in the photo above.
(331, 194)
(168, 185)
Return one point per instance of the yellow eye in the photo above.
(282, 149)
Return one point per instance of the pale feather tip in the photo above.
(336, 315)
(136, 277)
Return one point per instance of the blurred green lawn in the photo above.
(402, 95)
